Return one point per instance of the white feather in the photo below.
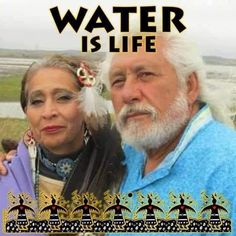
(93, 104)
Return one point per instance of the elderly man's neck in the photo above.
(156, 156)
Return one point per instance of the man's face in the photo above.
(146, 92)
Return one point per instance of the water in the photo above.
(11, 110)
(223, 78)
(14, 65)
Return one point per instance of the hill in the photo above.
(19, 53)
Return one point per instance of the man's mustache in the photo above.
(136, 108)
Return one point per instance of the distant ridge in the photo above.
(99, 56)
(213, 60)
(37, 54)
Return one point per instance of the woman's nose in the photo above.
(49, 110)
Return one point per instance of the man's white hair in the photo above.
(184, 56)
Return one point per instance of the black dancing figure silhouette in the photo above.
(150, 209)
(22, 220)
(86, 209)
(118, 215)
(54, 209)
(182, 212)
(215, 220)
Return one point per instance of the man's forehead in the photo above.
(134, 65)
(160, 45)
(135, 60)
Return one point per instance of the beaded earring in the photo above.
(30, 143)
(32, 149)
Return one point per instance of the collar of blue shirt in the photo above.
(135, 160)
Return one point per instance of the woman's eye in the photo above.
(36, 102)
(64, 98)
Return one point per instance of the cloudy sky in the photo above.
(28, 24)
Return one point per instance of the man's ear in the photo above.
(192, 88)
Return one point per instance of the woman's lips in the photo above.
(52, 128)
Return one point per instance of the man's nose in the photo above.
(131, 92)
(49, 110)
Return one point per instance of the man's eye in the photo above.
(117, 83)
(144, 74)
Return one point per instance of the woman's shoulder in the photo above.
(20, 159)
(19, 177)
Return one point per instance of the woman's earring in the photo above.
(30, 143)
(87, 135)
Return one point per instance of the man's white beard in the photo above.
(157, 132)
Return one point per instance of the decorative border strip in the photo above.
(85, 213)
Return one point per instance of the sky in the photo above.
(28, 24)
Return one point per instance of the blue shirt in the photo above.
(203, 161)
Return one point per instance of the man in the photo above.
(167, 119)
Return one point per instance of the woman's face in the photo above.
(53, 110)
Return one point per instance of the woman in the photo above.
(70, 140)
